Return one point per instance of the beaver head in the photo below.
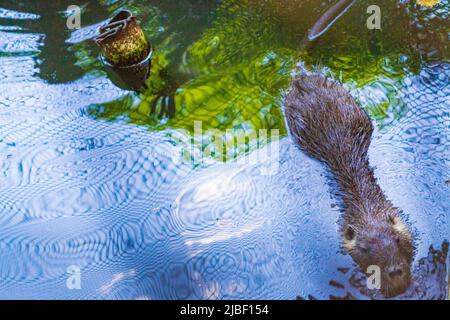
(383, 241)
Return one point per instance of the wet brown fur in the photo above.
(327, 124)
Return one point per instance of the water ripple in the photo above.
(120, 202)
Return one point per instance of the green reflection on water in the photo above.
(228, 65)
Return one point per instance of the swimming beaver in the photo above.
(328, 125)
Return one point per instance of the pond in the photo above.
(214, 201)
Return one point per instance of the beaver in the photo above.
(328, 125)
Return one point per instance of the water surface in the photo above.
(89, 177)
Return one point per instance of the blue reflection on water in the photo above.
(116, 200)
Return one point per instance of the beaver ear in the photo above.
(349, 234)
(392, 219)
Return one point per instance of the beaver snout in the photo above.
(395, 276)
(396, 272)
(396, 281)
(378, 242)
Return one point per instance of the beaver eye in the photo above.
(391, 220)
(397, 240)
(365, 250)
(350, 234)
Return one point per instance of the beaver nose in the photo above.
(395, 272)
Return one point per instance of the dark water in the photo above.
(90, 178)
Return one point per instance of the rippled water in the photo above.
(116, 197)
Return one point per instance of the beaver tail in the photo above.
(327, 124)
